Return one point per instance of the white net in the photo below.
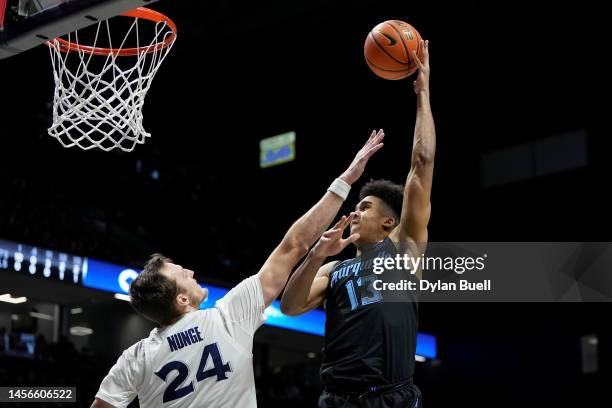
(98, 99)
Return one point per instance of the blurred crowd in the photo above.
(127, 231)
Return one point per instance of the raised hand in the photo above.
(355, 170)
(422, 82)
(331, 242)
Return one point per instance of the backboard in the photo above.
(24, 24)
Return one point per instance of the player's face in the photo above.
(186, 283)
(369, 220)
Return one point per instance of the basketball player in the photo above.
(370, 344)
(202, 358)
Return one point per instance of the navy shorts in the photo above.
(405, 396)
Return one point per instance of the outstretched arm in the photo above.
(306, 230)
(416, 208)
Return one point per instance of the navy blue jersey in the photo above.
(370, 337)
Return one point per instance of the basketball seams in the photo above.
(385, 69)
(387, 74)
(394, 76)
(403, 44)
(385, 55)
(383, 49)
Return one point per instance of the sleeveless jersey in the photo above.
(370, 335)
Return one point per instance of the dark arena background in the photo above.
(518, 159)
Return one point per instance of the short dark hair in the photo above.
(152, 294)
(389, 192)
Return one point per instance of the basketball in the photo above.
(388, 49)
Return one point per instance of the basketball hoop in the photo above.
(100, 90)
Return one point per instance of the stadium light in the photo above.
(80, 331)
(42, 316)
(122, 296)
(10, 299)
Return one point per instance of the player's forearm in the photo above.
(296, 294)
(294, 246)
(424, 145)
(309, 227)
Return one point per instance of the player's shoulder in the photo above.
(340, 263)
(207, 319)
(403, 246)
(136, 350)
(326, 270)
(199, 317)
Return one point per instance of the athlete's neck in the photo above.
(365, 247)
(187, 310)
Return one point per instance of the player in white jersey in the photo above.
(203, 358)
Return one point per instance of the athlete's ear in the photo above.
(182, 299)
(389, 223)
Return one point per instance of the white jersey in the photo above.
(203, 360)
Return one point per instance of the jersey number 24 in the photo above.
(220, 370)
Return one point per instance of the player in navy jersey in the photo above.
(370, 337)
(203, 358)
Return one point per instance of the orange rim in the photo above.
(140, 12)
